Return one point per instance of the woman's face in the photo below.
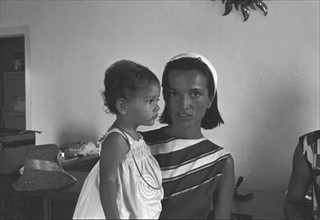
(188, 98)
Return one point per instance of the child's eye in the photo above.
(152, 101)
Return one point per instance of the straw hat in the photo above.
(42, 170)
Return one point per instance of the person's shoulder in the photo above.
(310, 136)
(154, 136)
(115, 141)
(314, 133)
(212, 144)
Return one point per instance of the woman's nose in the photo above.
(186, 101)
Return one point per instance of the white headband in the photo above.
(206, 61)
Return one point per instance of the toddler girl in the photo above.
(126, 182)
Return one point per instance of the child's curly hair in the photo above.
(123, 79)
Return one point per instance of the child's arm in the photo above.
(114, 148)
(223, 202)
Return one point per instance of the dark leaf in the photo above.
(245, 12)
(263, 7)
(228, 7)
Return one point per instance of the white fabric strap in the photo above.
(206, 61)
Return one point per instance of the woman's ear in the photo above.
(210, 100)
(122, 106)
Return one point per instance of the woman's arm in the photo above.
(114, 148)
(299, 183)
(223, 198)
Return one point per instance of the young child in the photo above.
(126, 183)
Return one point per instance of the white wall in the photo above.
(268, 69)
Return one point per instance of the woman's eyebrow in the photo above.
(198, 89)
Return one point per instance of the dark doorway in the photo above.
(12, 81)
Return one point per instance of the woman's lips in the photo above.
(183, 115)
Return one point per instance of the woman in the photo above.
(305, 174)
(196, 172)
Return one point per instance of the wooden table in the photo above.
(81, 163)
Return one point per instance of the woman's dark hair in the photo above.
(123, 79)
(212, 117)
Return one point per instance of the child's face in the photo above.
(143, 107)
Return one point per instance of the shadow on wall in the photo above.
(75, 132)
(275, 135)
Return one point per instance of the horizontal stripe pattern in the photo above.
(190, 169)
(193, 160)
(172, 145)
(193, 187)
(193, 178)
(178, 156)
(193, 203)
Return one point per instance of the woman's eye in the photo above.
(196, 94)
(172, 93)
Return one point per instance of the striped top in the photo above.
(191, 170)
(310, 144)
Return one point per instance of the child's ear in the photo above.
(122, 106)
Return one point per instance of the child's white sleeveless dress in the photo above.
(139, 186)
